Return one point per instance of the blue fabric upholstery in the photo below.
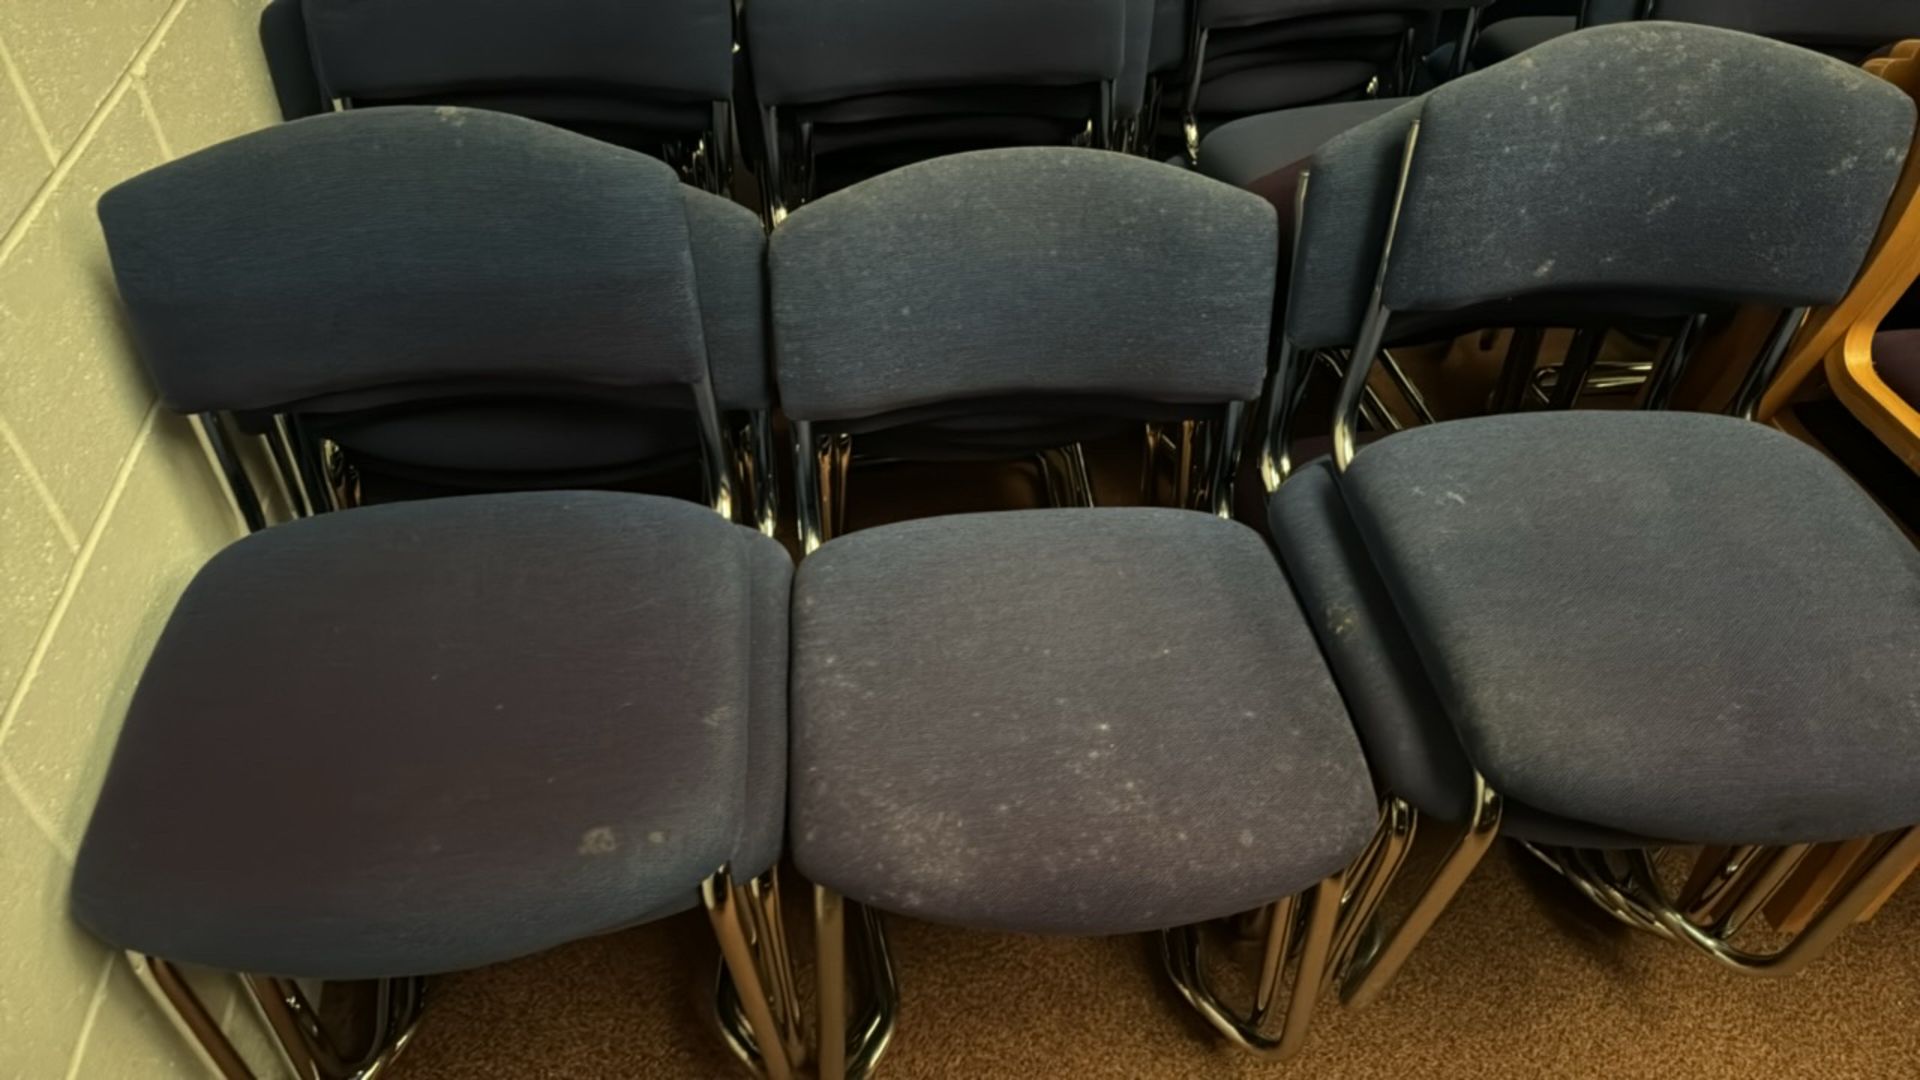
(407, 739)
(1065, 721)
(1672, 624)
(399, 250)
(1007, 273)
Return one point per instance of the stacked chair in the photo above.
(1669, 698)
(851, 88)
(1252, 57)
(1849, 30)
(381, 742)
(450, 299)
(656, 77)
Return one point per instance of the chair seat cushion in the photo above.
(413, 738)
(1065, 721)
(1896, 359)
(1405, 732)
(1674, 625)
(1244, 150)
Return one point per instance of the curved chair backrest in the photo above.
(359, 261)
(852, 87)
(656, 76)
(1707, 165)
(1848, 29)
(1840, 340)
(1004, 274)
(1007, 283)
(1252, 56)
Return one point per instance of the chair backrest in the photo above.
(1015, 275)
(856, 86)
(1890, 267)
(638, 74)
(407, 254)
(1639, 160)
(1849, 29)
(1344, 206)
(1656, 158)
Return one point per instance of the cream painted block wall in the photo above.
(107, 504)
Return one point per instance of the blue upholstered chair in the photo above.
(656, 77)
(1705, 682)
(450, 299)
(465, 730)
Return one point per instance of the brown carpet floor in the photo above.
(1519, 980)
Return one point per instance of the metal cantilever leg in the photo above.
(1843, 907)
(1368, 974)
(1067, 478)
(306, 1048)
(240, 490)
(1301, 933)
(852, 1051)
(756, 1003)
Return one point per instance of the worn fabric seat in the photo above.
(1065, 721)
(408, 739)
(1751, 604)
(1402, 722)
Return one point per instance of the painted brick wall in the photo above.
(107, 505)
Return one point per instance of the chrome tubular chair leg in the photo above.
(184, 1009)
(839, 464)
(240, 491)
(1304, 937)
(1185, 491)
(1367, 881)
(286, 456)
(1150, 465)
(1223, 458)
(1574, 368)
(809, 476)
(730, 908)
(713, 451)
(1063, 470)
(342, 480)
(1673, 363)
(842, 1050)
(1746, 400)
(766, 478)
(773, 180)
(1405, 387)
(310, 1053)
(774, 947)
(1368, 975)
(1843, 908)
(1190, 101)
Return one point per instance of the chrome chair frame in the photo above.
(786, 185)
(317, 476)
(1634, 893)
(756, 993)
(1318, 941)
(1210, 455)
(305, 1049)
(706, 162)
